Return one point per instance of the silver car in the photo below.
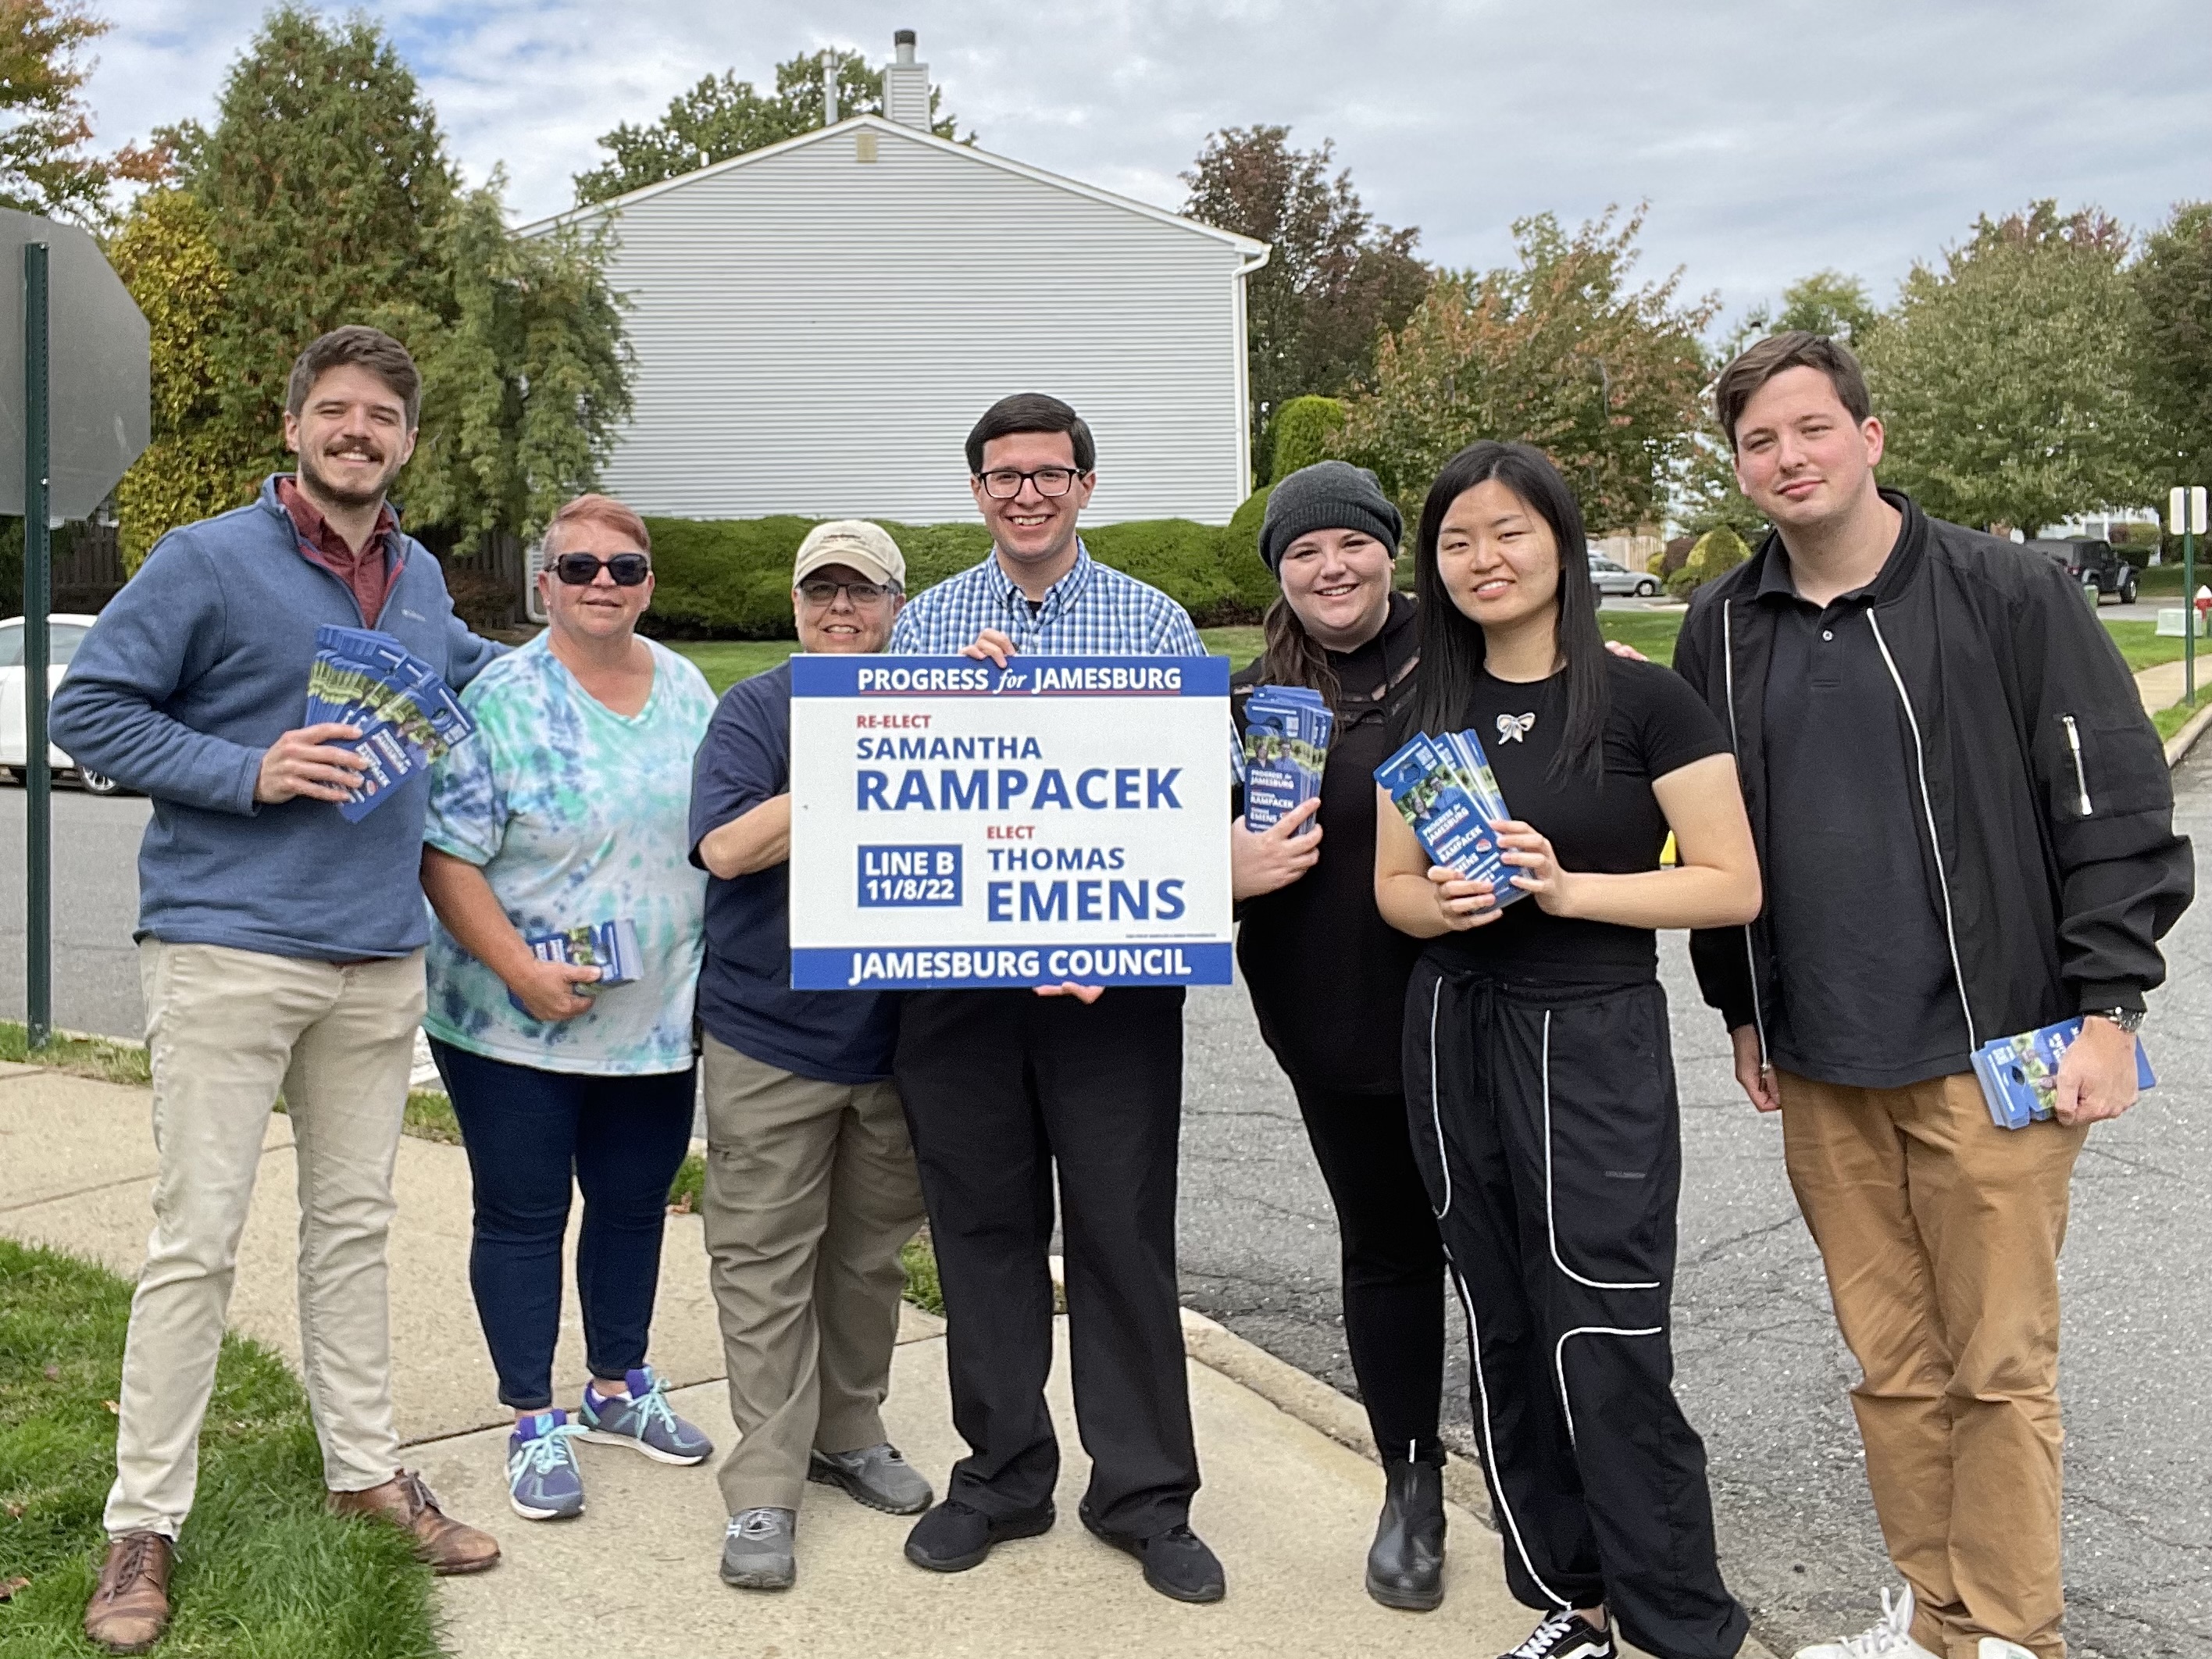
(1610, 578)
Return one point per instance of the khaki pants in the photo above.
(227, 1032)
(811, 1192)
(1941, 1235)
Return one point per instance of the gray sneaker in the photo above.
(875, 1476)
(757, 1550)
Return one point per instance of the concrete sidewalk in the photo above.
(1289, 1507)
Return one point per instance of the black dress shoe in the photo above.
(1177, 1562)
(1406, 1564)
(952, 1537)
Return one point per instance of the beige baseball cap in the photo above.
(868, 548)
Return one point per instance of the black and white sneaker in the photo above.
(1565, 1634)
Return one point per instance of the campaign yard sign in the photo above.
(954, 824)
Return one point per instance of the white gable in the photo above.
(816, 332)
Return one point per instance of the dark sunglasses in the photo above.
(582, 569)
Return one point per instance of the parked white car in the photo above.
(1608, 577)
(63, 635)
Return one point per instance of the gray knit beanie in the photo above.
(1327, 495)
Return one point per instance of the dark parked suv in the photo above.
(2092, 563)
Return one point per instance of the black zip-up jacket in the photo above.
(2042, 803)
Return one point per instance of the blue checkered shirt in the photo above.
(1094, 610)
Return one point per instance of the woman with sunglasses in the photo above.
(567, 815)
(1538, 1075)
(1328, 978)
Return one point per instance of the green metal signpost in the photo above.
(37, 781)
(2185, 519)
(65, 439)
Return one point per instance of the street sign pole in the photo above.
(2185, 517)
(38, 780)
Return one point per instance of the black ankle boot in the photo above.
(1406, 1564)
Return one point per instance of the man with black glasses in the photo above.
(1003, 1086)
(811, 1188)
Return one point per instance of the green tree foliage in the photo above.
(2172, 283)
(196, 464)
(1303, 433)
(1826, 302)
(46, 164)
(723, 116)
(1560, 349)
(1335, 281)
(323, 195)
(2004, 379)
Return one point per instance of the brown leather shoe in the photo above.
(404, 1501)
(130, 1609)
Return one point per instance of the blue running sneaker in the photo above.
(543, 1480)
(643, 1420)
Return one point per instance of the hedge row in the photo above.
(730, 578)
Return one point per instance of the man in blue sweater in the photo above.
(280, 949)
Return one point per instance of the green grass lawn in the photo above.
(263, 1573)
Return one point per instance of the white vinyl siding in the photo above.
(816, 334)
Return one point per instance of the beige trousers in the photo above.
(1941, 1235)
(228, 1031)
(811, 1192)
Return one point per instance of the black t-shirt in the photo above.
(1328, 975)
(1656, 724)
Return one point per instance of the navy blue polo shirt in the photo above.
(1868, 998)
(746, 998)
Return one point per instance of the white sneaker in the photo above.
(1890, 1638)
(1996, 1647)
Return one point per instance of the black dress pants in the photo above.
(1001, 1086)
(1392, 1262)
(1546, 1122)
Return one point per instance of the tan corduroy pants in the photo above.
(811, 1192)
(228, 1031)
(1941, 1235)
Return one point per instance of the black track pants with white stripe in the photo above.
(1545, 1122)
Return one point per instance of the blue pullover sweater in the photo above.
(192, 671)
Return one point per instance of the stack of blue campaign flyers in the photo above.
(1286, 734)
(609, 947)
(1445, 789)
(2019, 1075)
(406, 714)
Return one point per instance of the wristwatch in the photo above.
(2128, 1019)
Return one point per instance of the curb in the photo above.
(2181, 742)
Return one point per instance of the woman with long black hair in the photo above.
(1539, 1081)
(1328, 978)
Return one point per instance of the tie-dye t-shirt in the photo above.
(576, 815)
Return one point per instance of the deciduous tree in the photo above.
(47, 165)
(723, 116)
(2173, 281)
(1561, 349)
(2003, 375)
(1335, 281)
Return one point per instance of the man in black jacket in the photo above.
(1965, 826)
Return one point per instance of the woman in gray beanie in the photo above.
(1328, 977)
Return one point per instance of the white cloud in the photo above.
(1770, 140)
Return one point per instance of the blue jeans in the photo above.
(527, 1132)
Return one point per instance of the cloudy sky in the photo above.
(1769, 140)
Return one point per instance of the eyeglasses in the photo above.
(582, 569)
(821, 593)
(1004, 484)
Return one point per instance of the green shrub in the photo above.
(1301, 434)
(1716, 553)
(1254, 585)
(730, 578)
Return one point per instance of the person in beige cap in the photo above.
(811, 1187)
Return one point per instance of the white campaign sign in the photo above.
(954, 824)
